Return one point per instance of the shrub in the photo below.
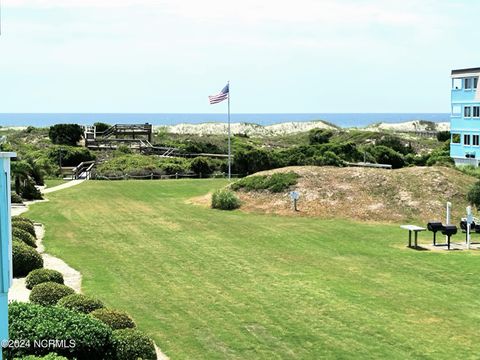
(65, 134)
(49, 293)
(319, 136)
(24, 236)
(15, 198)
(21, 218)
(69, 155)
(385, 155)
(114, 318)
(25, 226)
(51, 356)
(329, 158)
(473, 195)
(30, 192)
(82, 303)
(443, 136)
(201, 166)
(101, 127)
(40, 276)
(275, 183)
(93, 339)
(225, 200)
(132, 344)
(25, 259)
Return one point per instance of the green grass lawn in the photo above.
(54, 182)
(207, 284)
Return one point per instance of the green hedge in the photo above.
(25, 226)
(24, 236)
(225, 200)
(93, 339)
(15, 198)
(114, 318)
(132, 344)
(51, 356)
(275, 183)
(21, 218)
(82, 303)
(49, 293)
(25, 259)
(40, 276)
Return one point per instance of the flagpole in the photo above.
(229, 141)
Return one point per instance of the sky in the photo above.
(167, 56)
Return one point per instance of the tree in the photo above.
(473, 195)
(319, 136)
(101, 127)
(443, 136)
(201, 166)
(65, 134)
(385, 155)
(20, 172)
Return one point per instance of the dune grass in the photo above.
(211, 284)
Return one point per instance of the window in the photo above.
(475, 139)
(476, 111)
(467, 111)
(468, 83)
(475, 82)
(457, 84)
(466, 139)
(455, 138)
(456, 110)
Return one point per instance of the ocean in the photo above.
(339, 119)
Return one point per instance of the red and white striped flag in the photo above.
(223, 95)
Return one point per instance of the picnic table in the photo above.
(415, 229)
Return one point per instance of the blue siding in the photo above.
(5, 243)
(461, 125)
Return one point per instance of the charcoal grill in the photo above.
(449, 230)
(434, 227)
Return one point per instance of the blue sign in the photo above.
(294, 195)
(6, 272)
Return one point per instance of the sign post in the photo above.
(294, 195)
(469, 224)
(449, 210)
(6, 270)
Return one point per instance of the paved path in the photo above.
(62, 186)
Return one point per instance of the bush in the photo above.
(25, 259)
(51, 356)
(65, 134)
(385, 155)
(329, 158)
(30, 192)
(275, 183)
(69, 155)
(25, 226)
(225, 200)
(15, 198)
(132, 344)
(443, 136)
(201, 166)
(21, 218)
(101, 127)
(24, 236)
(82, 303)
(49, 293)
(93, 339)
(319, 136)
(473, 195)
(114, 318)
(40, 276)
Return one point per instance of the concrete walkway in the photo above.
(62, 186)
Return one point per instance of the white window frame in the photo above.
(465, 111)
(468, 81)
(458, 136)
(466, 139)
(475, 140)
(457, 84)
(478, 111)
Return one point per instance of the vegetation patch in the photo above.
(23, 236)
(277, 182)
(49, 293)
(114, 318)
(225, 200)
(40, 276)
(25, 259)
(81, 303)
(133, 344)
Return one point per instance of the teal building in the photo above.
(465, 117)
(5, 242)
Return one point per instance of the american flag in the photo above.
(223, 95)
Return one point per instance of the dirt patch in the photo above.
(367, 194)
